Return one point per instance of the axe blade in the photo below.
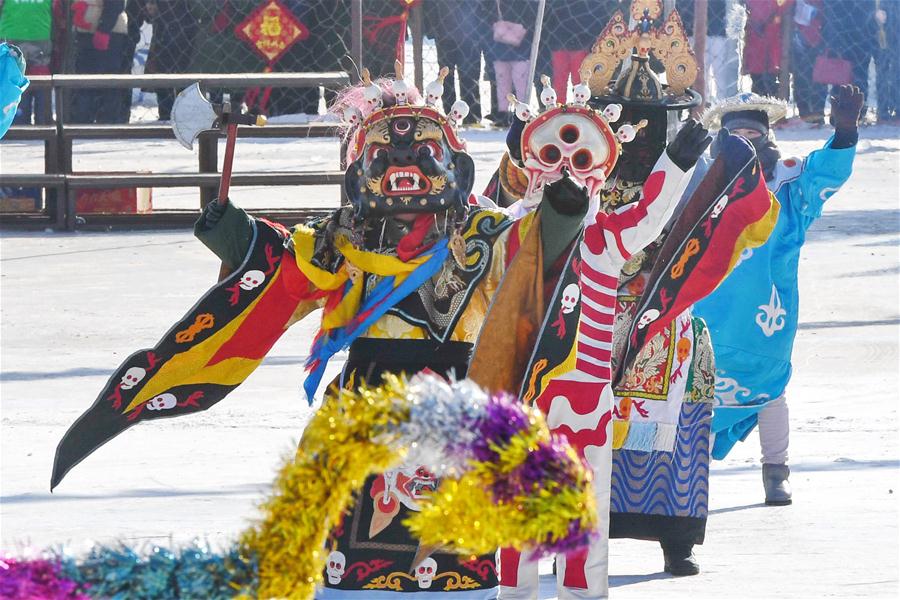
(192, 113)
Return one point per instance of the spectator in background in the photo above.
(762, 43)
(101, 28)
(570, 29)
(172, 44)
(384, 29)
(721, 58)
(303, 103)
(459, 36)
(849, 32)
(887, 57)
(28, 24)
(806, 46)
(511, 61)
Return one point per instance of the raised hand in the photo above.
(846, 105)
(565, 195)
(690, 142)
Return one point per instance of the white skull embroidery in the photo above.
(425, 572)
(582, 93)
(571, 140)
(650, 315)
(334, 568)
(252, 279)
(401, 91)
(523, 111)
(570, 297)
(458, 112)
(162, 402)
(719, 207)
(132, 377)
(352, 116)
(612, 112)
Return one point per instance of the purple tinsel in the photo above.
(548, 462)
(32, 579)
(576, 538)
(503, 419)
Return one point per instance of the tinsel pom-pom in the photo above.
(31, 579)
(337, 453)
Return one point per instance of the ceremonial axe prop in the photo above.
(193, 114)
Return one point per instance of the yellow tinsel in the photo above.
(336, 455)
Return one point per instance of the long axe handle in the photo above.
(227, 163)
(225, 181)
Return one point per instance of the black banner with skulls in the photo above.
(200, 360)
(731, 209)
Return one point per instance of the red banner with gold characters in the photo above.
(271, 30)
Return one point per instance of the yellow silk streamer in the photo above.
(368, 262)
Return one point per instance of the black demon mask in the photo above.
(407, 159)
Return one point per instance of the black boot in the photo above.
(679, 559)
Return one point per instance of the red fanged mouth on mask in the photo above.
(405, 181)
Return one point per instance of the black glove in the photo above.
(211, 214)
(689, 143)
(718, 142)
(565, 195)
(514, 139)
(846, 104)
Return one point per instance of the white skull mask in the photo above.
(132, 377)
(570, 297)
(650, 315)
(572, 140)
(162, 402)
(252, 279)
(719, 207)
(425, 572)
(334, 568)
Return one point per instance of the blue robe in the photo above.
(752, 317)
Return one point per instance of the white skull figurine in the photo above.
(582, 93)
(252, 279)
(425, 572)
(570, 297)
(648, 317)
(522, 110)
(162, 402)
(435, 90)
(612, 112)
(334, 568)
(132, 377)
(626, 133)
(352, 116)
(719, 207)
(401, 91)
(548, 94)
(458, 112)
(373, 97)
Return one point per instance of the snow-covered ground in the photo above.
(75, 304)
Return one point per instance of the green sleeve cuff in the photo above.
(557, 232)
(230, 237)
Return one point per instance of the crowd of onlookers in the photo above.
(832, 42)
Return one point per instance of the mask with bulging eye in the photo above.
(408, 160)
(574, 138)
